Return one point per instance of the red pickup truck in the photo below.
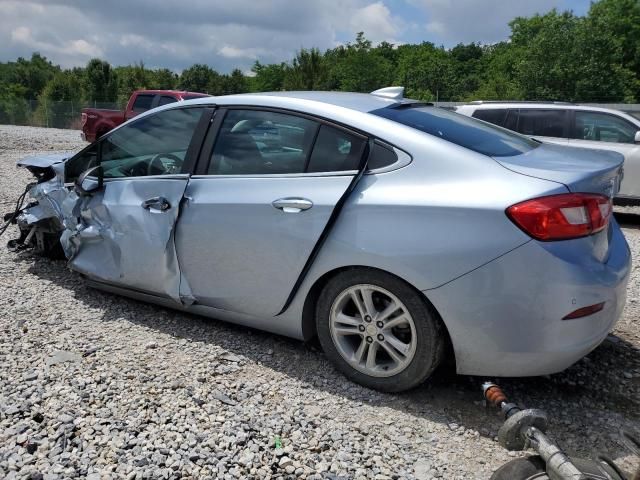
(96, 122)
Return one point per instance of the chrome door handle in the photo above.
(292, 205)
(159, 204)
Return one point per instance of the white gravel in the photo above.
(96, 386)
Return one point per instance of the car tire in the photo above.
(418, 326)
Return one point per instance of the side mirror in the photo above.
(86, 186)
(637, 137)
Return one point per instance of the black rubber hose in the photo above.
(17, 210)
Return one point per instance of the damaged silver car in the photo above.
(396, 232)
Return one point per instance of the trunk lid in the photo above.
(579, 169)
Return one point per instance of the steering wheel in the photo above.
(158, 164)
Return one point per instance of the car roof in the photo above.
(360, 102)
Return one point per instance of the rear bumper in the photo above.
(505, 318)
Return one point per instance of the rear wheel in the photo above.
(378, 330)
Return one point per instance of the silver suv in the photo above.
(573, 125)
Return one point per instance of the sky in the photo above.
(227, 34)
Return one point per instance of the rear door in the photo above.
(268, 183)
(125, 235)
(605, 131)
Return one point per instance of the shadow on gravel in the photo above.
(628, 220)
(587, 403)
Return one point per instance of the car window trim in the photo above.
(205, 158)
(573, 125)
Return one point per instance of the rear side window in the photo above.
(491, 115)
(381, 156)
(335, 150)
(544, 123)
(460, 130)
(166, 100)
(142, 103)
(254, 142)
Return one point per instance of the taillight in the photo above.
(561, 217)
(84, 119)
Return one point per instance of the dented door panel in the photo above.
(118, 240)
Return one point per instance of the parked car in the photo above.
(97, 121)
(396, 232)
(573, 125)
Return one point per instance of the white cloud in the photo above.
(376, 21)
(233, 34)
(483, 21)
(75, 48)
(224, 34)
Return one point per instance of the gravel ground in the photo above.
(96, 386)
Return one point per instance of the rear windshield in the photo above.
(467, 132)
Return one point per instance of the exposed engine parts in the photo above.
(524, 429)
(39, 221)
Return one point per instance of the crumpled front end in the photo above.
(109, 235)
(42, 220)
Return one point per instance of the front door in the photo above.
(126, 234)
(251, 221)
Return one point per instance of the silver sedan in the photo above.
(396, 232)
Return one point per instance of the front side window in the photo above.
(142, 103)
(153, 145)
(460, 130)
(543, 123)
(602, 127)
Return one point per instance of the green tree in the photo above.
(235, 83)
(31, 74)
(60, 100)
(100, 81)
(198, 78)
(545, 47)
(131, 78)
(359, 67)
(268, 78)
(163, 79)
(608, 53)
(308, 71)
(426, 71)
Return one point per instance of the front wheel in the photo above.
(378, 331)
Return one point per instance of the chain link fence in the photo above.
(42, 113)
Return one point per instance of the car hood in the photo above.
(44, 161)
(579, 169)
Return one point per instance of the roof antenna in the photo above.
(394, 93)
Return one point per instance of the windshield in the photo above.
(465, 131)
